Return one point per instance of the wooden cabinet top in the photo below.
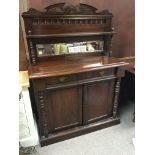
(72, 66)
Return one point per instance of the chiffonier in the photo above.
(74, 78)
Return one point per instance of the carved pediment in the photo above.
(63, 9)
(87, 9)
(57, 8)
(33, 11)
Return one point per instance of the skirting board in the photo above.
(32, 140)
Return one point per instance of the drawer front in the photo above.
(97, 74)
(80, 76)
(61, 79)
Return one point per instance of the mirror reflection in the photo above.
(69, 48)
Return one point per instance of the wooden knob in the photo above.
(62, 79)
(29, 31)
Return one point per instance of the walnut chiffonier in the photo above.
(74, 78)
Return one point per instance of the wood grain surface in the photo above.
(123, 21)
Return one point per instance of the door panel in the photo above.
(98, 97)
(64, 108)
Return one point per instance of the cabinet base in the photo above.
(77, 131)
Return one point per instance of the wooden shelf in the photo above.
(72, 34)
(71, 83)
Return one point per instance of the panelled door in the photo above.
(98, 98)
(64, 108)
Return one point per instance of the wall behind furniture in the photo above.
(22, 52)
(123, 21)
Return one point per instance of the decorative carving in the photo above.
(33, 12)
(45, 17)
(104, 12)
(57, 8)
(63, 9)
(87, 9)
(49, 21)
(116, 97)
(33, 56)
(43, 113)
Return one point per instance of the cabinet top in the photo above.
(73, 66)
(63, 19)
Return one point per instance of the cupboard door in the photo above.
(64, 108)
(98, 98)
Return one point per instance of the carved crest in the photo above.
(63, 9)
(33, 12)
(57, 8)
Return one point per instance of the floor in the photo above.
(116, 140)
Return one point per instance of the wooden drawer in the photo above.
(61, 79)
(80, 76)
(97, 73)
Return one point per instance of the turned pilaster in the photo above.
(116, 97)
(41, 96)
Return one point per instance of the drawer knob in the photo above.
(102, 73)
(62, 79)
(29, 31)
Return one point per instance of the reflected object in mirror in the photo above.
(63, 49)
(48, 49)
(40, 49)
(56, 49)
(90, 48)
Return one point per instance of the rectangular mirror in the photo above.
(69, 48)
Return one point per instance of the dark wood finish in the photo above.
(70, 133)
(42, 108)
(131, 68)
(97, 103)
(115, 103)
(123, 21)
(70, 18)
(68, 66)
(64, 108)
(63, 23)
(63, 9)
(74, 94)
